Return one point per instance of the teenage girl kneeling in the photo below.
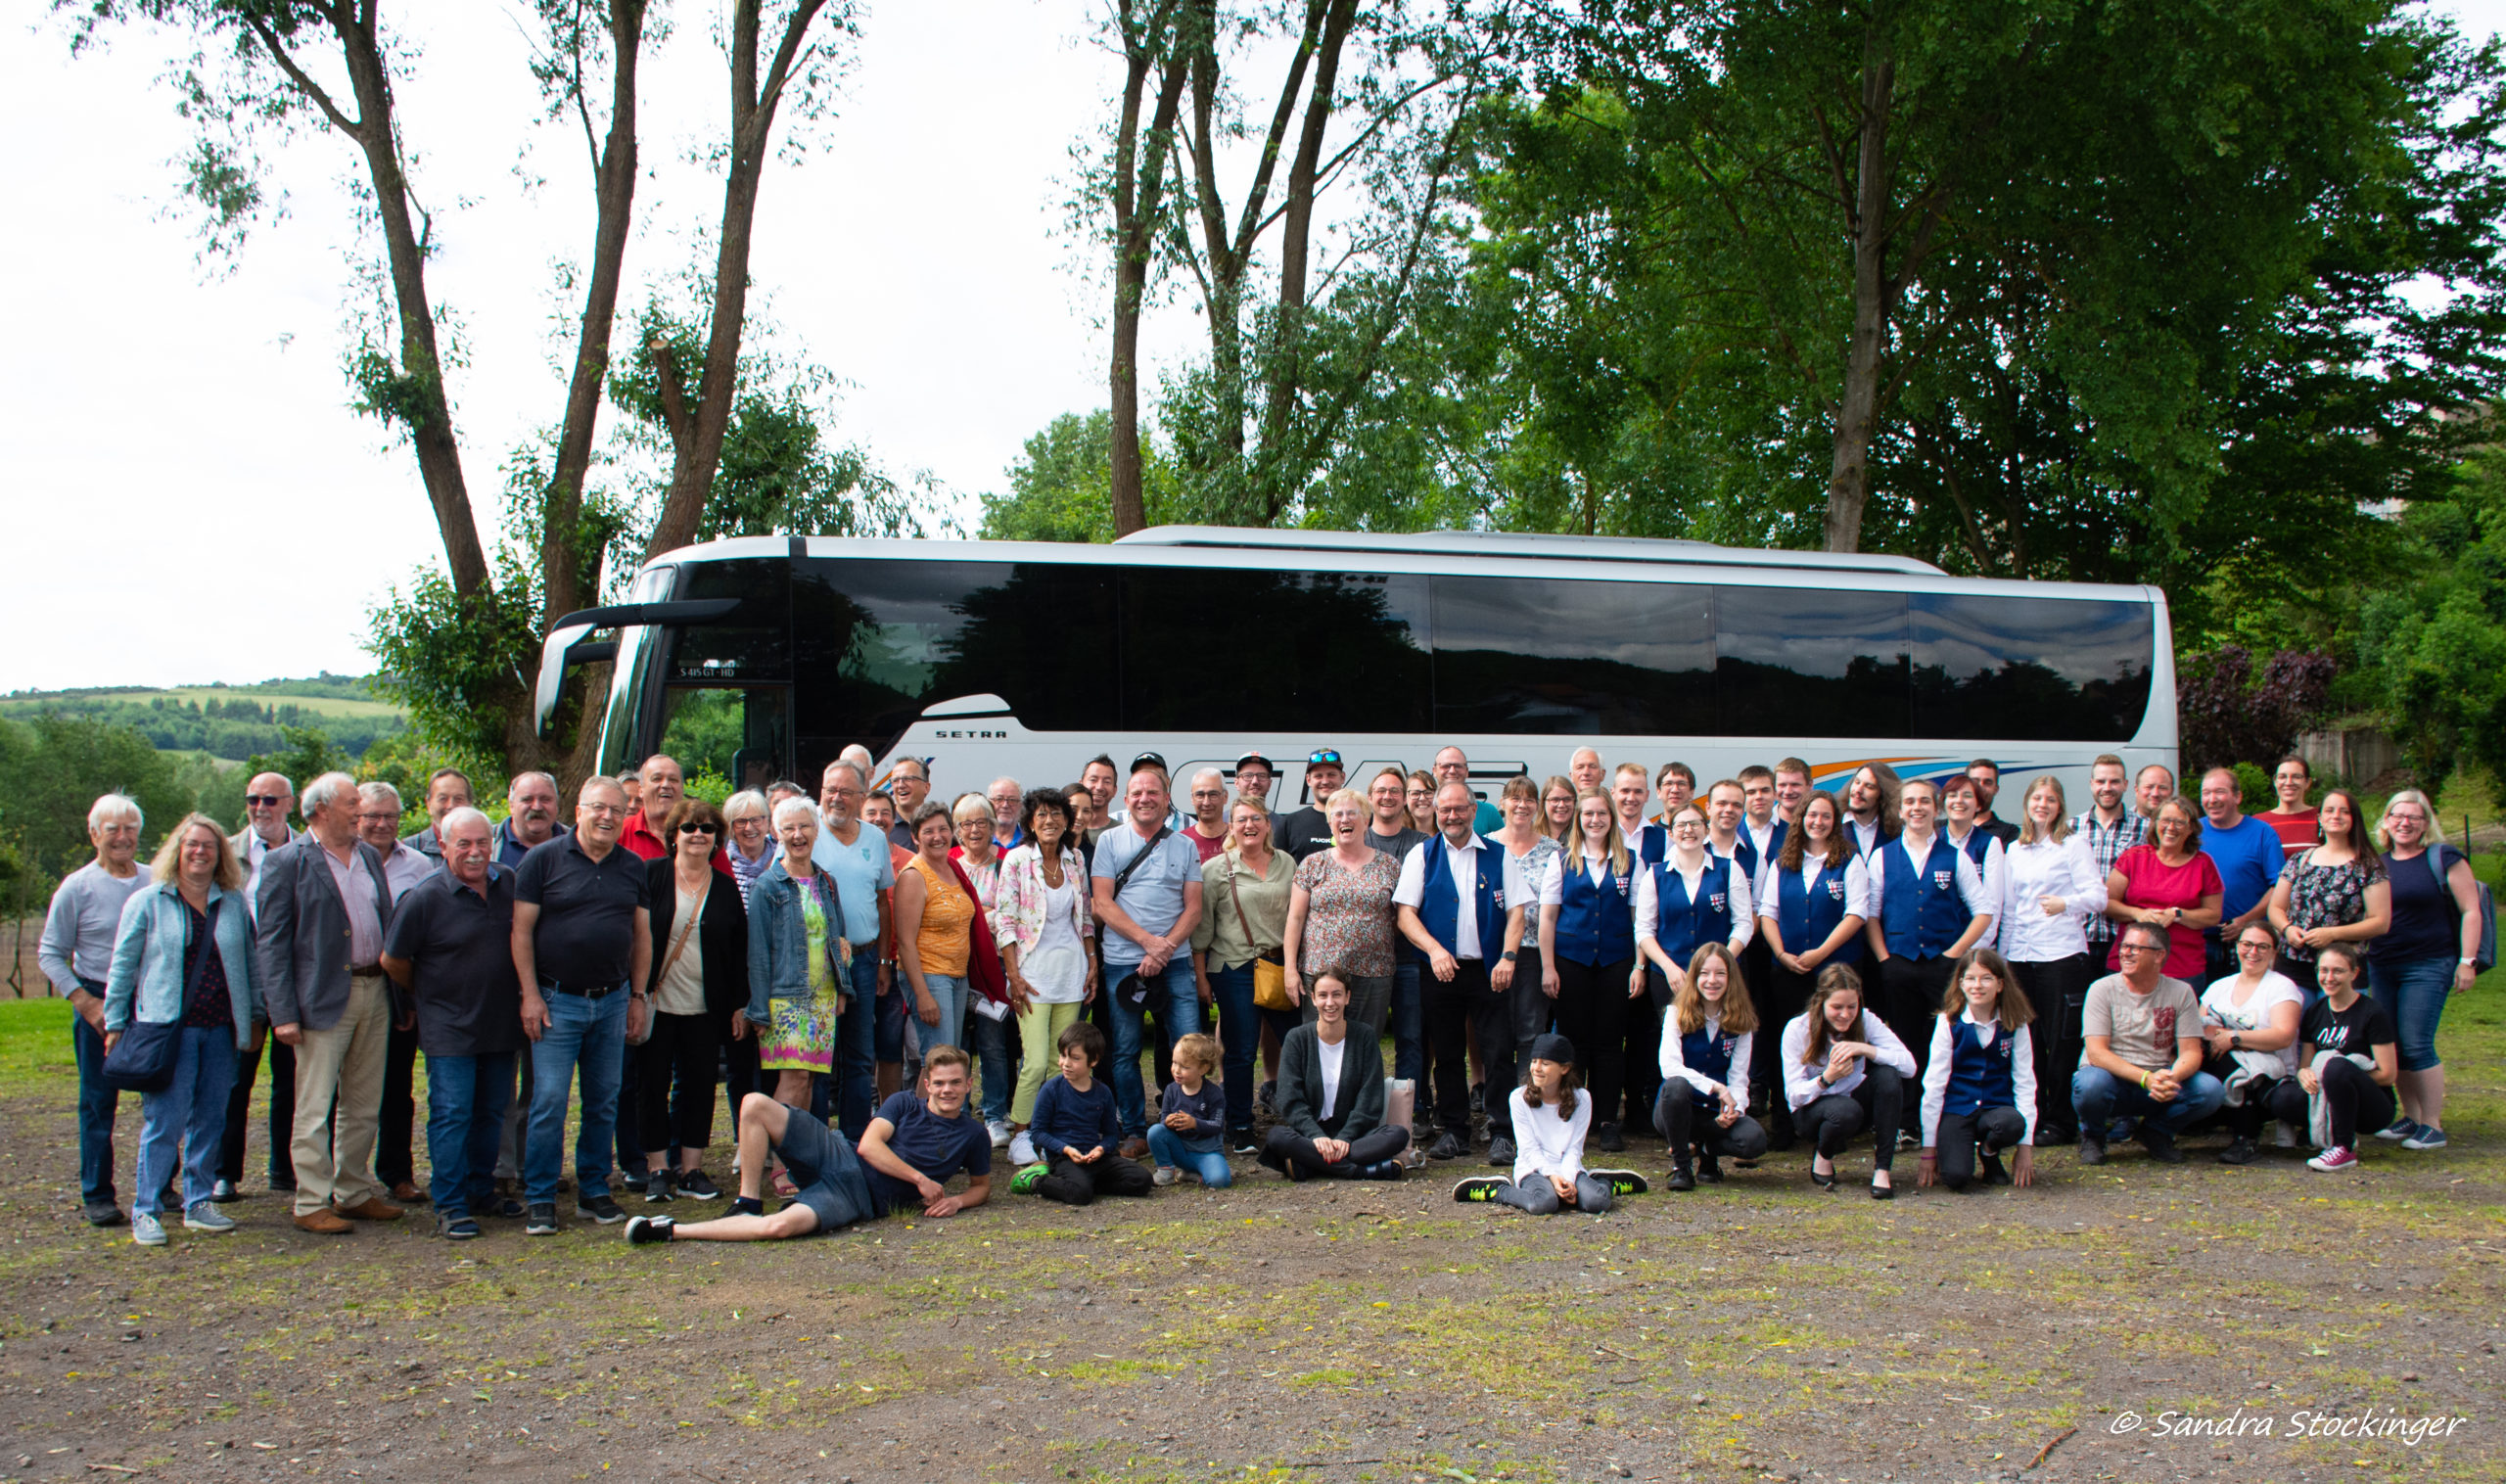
(1704, 1105)
(1979, 1088)
(1550, 1114)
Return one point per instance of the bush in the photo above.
(2224, 711)
(2254, 787)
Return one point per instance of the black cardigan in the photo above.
(721, 936)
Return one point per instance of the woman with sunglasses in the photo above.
(700, 978)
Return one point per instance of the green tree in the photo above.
(2437, 640)
(1060, 491)
(57, 767)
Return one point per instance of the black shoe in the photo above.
(2092, 1150)
(1448, 1147)
(1827, 1181)
(1621, 1182)
(645, 1229)
(505, 1207)
(1778, 1140)
(599, 1208)
(1607, 1137)
(1992, 1172)
(2054, 1136)
(542, 1222)
(104, 1213)
(1267, 1098)
(695, 1185)
(1269, 1161)
(1387, 1169)
(2240, 1152)
(1709, 1168)
(282, 1188)
(1477, 1188)
(1880, 1191)
(1242, 1142)
(636, 1181)
(1500, 1150)
(659, 1188)
(2162, 1146)
(1681, 1177)
(456, 1229)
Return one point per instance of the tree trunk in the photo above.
(1287, 371)
(753, 107)
(563, 583)
(1868, 231)
(1140, 179)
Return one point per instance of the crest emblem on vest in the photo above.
(1715, 901)
(1623, 882)
(1835, 890)
(1942, 879)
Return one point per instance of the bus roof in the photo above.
(1511, 543)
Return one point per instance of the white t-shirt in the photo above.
(1327, 1054)
(681, 991)
(2219, 1007)
(1057, 965)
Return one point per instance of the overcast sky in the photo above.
(188, 497)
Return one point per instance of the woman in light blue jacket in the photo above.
(184, 958)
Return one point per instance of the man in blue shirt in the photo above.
(1147, 881)
(2249, 856)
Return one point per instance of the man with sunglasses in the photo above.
(1308, 830)
(268, 802)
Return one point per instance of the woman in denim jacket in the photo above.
(184, 957)
(797, 961)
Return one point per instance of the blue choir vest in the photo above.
(1595, 924)
(1708, 1050)
(1682, 926)
(1440, 897)
(1922, 916)
(1980, 1074)
(1808, 914)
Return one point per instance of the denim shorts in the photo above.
(827, 1174)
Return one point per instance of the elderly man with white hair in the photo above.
(77, 953)
(450, 946)
(317, 955)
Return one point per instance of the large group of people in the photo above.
(1116, 990)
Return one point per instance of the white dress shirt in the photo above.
(1463, 863)
(1648, 907)
(2048, 868)
(1553, 881)
(1990, 867)
(1865, 837)
(1801, 1084)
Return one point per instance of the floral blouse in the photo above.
(1348, 919)
(2325, 896)
(1019, 902)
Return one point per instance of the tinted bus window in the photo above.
(755, 643)
(1798, 662)
(1573, 658)
(1322, 652)
(2029, 669)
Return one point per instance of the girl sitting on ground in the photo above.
(1706, 1040)
(1979, 1087)
(2347, 1061)
(1844, 1072)
(1550, 1114)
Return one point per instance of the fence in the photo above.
(2360, 755)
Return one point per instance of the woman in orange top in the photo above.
(935, 929)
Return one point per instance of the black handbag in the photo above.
(142, 1060)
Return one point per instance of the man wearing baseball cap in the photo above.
(1303, 833)
(1254, 776)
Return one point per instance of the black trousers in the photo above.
(1874, 1103)
(1592, 1011)
(741, 1074)
(1910, 994)
(1294, 1155)
(1779, 997)
(1075, 1184)
(1689, 1129)
(1644, 1041)
(674, 1084)
(1996, 1129)
(2245, 1119)
(394, 1162)
(1461, 1014)
(2057, 987)
(1532, 1013)
(282, 1120)
(2355, 1100)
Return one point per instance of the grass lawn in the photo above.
(1758, 1330)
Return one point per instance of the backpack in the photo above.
(2485, 957)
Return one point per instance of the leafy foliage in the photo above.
(2437, 638)
(56, 767)
(2229, 714)
(1058, 491)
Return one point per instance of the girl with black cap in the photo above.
(1550, 1114)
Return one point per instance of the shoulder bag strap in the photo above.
(679, 941)
(1137, 860)
(1237, 898)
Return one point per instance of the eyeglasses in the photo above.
(265, 801)
(697, 827)
(2137, 948)
(604, 808)
(392, 818)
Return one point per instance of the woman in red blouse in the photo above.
(2171, 884)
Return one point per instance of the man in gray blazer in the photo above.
(317, 950)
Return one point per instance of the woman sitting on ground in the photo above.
(1844, 1071)
(1331, 1096)
(1708, 1039)
(2250, 1022)
(2348, 1059)
(1550, 1115)
(1979, 1087)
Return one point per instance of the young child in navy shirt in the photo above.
(1075, 1131)
(1191, 1114)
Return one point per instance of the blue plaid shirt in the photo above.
(2106, 842)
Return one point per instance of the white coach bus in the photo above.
(761, 658)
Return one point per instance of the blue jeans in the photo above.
(466, 1100)
(854, 1035)
(1408, 1043)
(1166, 1147)
(586, 1038)
(1239, 1034)
(2413, 992)
(2098, 1097)
(994, 1044)
(98, 1101)
(949, 990)
(1179, 1014)
(190, 1113)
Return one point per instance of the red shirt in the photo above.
(2149, 882)
(1207, 848)
(2299, 831)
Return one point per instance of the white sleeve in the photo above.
(1801, 1085)
(1884, 1042)
(2087, 898)
(1935, 1079)
(1861, 889)
(1739, 1083)
(1744, 910)
(1763, 890)
(1649, 906)
(1874, 880)
(1570, 1154)
(1413, 885)
(1675, 1056)
(1996, 875)
(2004, 915)
(2022, 1077)
(1971, 889)
(1552, 882)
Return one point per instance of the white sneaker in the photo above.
(146, 1230)
(1022, 1149)
(1165, 1174)
(203, 1216)
(999, 1130)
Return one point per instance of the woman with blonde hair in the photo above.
(2431, 949)
(1706, 1046)
(1588, 927)
(183, 979)
(1340, 912)
(2050, 892)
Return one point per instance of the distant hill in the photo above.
(225, 721)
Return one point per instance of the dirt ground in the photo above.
(2131, 1322)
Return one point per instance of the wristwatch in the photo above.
(2236, 1040)
(1509, 957)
